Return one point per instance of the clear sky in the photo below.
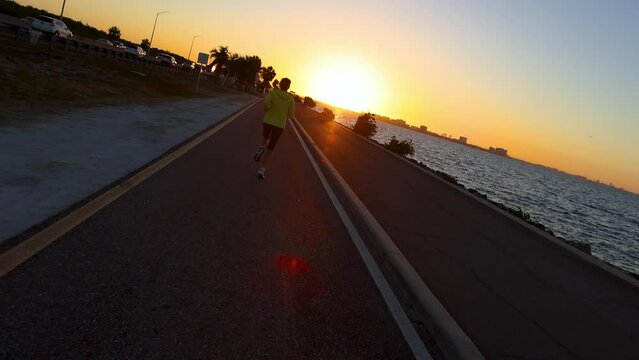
(555, 82)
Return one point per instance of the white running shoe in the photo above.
(261, 173)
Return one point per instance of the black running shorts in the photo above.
(273, 133)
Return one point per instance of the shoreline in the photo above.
(477, 147)
(580, 177)
(518, 213)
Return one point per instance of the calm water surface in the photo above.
(572, 207)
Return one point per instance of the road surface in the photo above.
(516, 294)
(204, 261)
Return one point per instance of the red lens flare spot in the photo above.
(292, 265)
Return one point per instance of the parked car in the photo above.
(119, 45)
(166, 59)
(134, 50)
(105, 42)
(47, 24)
(29, 20)
(188, 65)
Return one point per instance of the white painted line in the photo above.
(405, 325)
(22, 252)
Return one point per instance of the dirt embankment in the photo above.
(36, 79)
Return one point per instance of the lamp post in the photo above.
(153, 32)
(192, 41)
(64, 2)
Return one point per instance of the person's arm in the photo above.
(291, 110)
(267, 101)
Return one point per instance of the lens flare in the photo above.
(292, 265)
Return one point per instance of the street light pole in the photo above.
(153, 32)
(64, 2)
(192, 41)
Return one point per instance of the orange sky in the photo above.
(530, 78)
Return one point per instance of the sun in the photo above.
(345, 82)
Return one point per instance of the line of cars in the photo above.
(132, 50)
(49, 25)
(135, 50)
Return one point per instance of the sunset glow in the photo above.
(553, 83)
(344, 82)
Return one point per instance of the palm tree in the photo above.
(220, 58)
(267, 74)
(233, 65)
(250, 70)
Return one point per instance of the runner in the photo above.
(280, 106)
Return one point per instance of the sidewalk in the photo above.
(49, 162)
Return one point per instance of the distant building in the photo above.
(398, 122)
(463, 139)
(498, 151)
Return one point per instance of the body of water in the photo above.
(572, 207)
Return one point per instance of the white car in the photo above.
(105, 42)
(188, 65)
(166, 59)
(50, 25)
(119, 45)
(134, 50)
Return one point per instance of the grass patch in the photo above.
(41, 78)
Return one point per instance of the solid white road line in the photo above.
(405, 325)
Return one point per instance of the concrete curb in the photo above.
(571, 249)
(449, 336)
(24, 250)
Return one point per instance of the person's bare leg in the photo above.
(266, 157)
(261, 149)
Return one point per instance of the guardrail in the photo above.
(448, 335)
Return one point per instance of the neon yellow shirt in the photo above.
(280, 106)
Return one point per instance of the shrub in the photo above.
(298, 99)
(328, 114)
(365, 125)
(309, 102)
(404, 147)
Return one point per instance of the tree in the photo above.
(328, 113)
(246, 71)
(220, 60)
(309, 102)
(365, 125)
(145, 45)
(404, 147)
(267, 74)
(114, 33)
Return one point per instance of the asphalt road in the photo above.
(204, 261)
(516, 294)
